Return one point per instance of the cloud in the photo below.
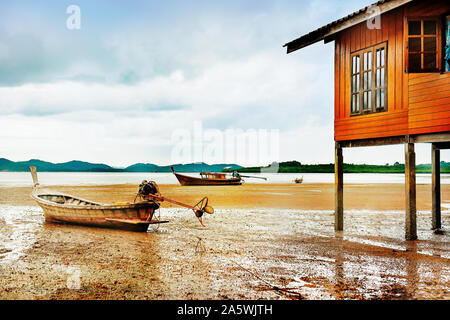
(250, 88)
(119, 44)
(102, 137)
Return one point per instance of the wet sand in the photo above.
(262, 237)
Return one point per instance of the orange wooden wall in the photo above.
(417, 103)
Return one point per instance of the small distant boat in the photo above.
(211, 179)
(63, 208)
(299, 180)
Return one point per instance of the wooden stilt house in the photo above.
(392, 86)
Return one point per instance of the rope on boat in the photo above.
(156, 228)
(149, 191)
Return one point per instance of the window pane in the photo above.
(365, 60)
(382, 98)
(429, 27)
(414, 45)
(365, 101)
(357, 64)
(429, 61)
(382, 56)
(377, 84)
(369, 100)
(369, 62)
(365, 81)
(357, 102)
(369, 80)
(414, 62)
(378, 58)
(414, 28)
(354, 64)
(429, 44)
(382, 78)
(377, 98)
(357, 82)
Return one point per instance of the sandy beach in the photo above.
(249, 196)
(263, 242)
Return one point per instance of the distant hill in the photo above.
(81, 166)
(297, 167)
(141, 167)
(190, 167)
(284, 167)
(71, 166)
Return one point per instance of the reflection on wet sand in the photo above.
(241, 254)
(110, 261)
(105, 261)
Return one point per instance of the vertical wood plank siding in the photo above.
(417, 103)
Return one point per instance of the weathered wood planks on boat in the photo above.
(64, 208)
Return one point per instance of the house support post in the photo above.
(435, 187)
(410, 182)
(339, 188)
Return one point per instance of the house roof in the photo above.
(326, 32)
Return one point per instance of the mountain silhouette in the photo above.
(82, 166)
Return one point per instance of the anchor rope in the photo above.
(278, 289)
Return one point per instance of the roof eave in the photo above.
(328, 32)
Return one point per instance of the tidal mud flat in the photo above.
(254, 252)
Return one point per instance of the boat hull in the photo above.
(193, 181)
(133, 217)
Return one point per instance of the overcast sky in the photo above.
(137, 73)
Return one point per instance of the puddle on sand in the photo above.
(18, 227)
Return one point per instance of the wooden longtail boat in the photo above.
(207, 179)
(64, 208)
(212, 179)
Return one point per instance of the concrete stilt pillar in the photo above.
(339, 189)
(410, 183)
(435, 187)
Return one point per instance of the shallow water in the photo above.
(18, 179)
(18, 228)
(241, 254)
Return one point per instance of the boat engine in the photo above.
(149, 191)
(147, 188)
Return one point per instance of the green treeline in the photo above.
(297, 167)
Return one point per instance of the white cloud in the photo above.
(262, 81)
(72, 116)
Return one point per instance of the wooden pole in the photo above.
(435, 187)
(339, 189)
(410, 182)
